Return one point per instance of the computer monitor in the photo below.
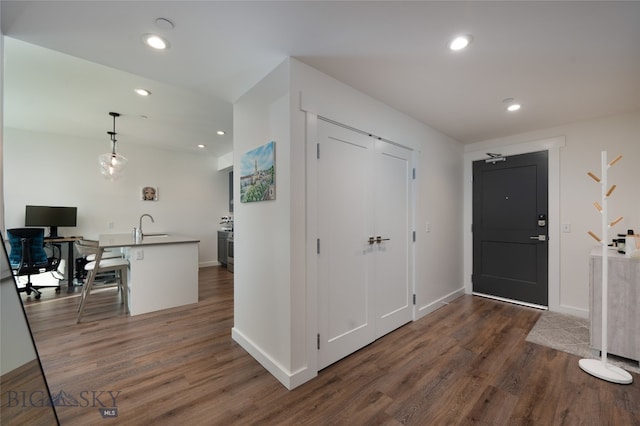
(51, 217)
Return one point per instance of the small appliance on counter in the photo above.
(230, 252)
(227, 223)
(225, 242)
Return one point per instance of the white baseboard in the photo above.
(570, 310)
(208, 264)
(438, 303)
(288, 379)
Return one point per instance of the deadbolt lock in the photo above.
(542, 220)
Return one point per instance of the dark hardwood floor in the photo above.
(467, 363)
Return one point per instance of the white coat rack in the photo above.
(599, 367)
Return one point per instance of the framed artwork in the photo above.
(258, 174)
(149, 193)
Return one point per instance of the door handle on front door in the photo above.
(379, 239)
(540, 237)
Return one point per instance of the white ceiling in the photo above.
(564, 61)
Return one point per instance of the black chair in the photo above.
(28, 257)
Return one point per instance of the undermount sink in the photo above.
(154, 235)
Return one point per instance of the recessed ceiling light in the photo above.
(511, 105)
(201, 146)
(460, 42)
(142, 92)
(221, 132)
(155, 41)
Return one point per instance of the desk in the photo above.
(70, 261)
(163, 270)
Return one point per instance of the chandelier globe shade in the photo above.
(112, 164)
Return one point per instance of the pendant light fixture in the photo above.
(111, 163)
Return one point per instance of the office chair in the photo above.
(28, 258)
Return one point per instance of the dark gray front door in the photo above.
(510, 248)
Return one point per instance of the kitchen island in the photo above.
(163, 269)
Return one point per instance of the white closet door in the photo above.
(346, 320)
(393, 296)
(363, 286)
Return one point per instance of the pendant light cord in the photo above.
(113, 133)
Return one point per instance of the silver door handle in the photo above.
(540, 237)
(379, 239)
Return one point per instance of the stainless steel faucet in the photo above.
(150, 217)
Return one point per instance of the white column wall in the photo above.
(275, 283)
(262, 247)
(438, 160)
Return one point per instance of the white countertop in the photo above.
(155, 238)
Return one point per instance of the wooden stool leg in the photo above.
(83, 293)
(86, 289)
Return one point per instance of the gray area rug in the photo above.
(571, 334)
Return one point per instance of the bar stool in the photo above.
(118, 266)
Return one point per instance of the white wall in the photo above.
(45, 169)
(275, 283)
(262, 281)
(581, 153)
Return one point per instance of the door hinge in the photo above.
(414, 173)
(414, 298)
(318, 245)
(318, 341)
(318, 150)
(414, 236)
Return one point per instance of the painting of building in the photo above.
(258, 174)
